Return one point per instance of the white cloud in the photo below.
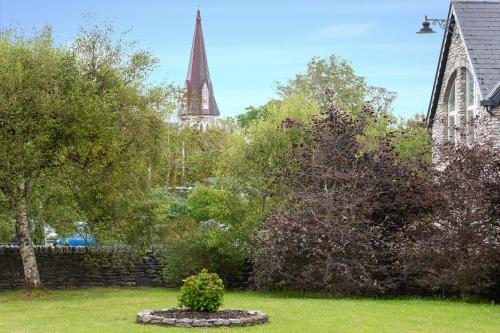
(342, 30)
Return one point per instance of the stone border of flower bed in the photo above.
(254, 317)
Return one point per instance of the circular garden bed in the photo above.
(187, 318)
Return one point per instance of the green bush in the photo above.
(214, 235)
(215, 204)
(151, 218)
(202, 292)
(221, 250)
(7, 224)
(6, 231)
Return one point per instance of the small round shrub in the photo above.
(202, 292)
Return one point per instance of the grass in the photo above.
(114, 310)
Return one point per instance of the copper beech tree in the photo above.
(347, 204)
(361, 219)
(456, 250)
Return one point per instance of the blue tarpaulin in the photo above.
(77, 240)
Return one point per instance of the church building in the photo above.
(199, 107)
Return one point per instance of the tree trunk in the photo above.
(23, 233)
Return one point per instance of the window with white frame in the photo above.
(452, 114)
(204, 97)
(470, 103)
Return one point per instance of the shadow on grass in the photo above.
(325, 296)
(109, 292)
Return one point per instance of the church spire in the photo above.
(199, 99)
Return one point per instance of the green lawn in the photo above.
(113, 310)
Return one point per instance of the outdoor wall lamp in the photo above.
(426, 25)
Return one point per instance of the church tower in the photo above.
(199, 107)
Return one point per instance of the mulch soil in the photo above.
(222, 314)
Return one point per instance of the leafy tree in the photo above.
(40, 89)
(334, 74)
(347, 90)
(255, 155)
(125, 153)
(265, 147)
(193, 155)
(151, 218)
(346, 207)
(413, 139)
(76, 126)
(380, 99)
(7, 226)
(253, 114)
(215, 204)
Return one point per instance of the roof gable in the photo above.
(478, 22)
(438, 79)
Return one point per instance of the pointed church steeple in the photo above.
(199, 95)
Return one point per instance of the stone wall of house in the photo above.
(73, 267)
(486, 125)
(493, 126)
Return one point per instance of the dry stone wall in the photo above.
(77, 267)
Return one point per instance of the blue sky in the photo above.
(252, 44)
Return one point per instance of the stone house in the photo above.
(465, 102)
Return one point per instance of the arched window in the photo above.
(452, 113)
(204, 97)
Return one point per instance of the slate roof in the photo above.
(479, 23)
